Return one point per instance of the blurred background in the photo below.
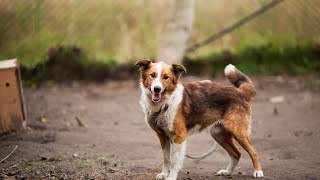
(110, 33)
(82, 95)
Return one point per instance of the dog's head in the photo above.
(160, 79)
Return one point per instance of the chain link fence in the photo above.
(125, 30)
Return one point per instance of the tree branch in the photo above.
(232, 27)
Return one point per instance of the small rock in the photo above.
(63, 176)
(68, 124)
(112, 170)
(82, 108)
(240, 173)
(276, 99)
(12, 173)
(43, 119)
(43, 158)
(269, 135)
(80, 121)
(63, 112)
(75, 155)
(275, 111)
(270, 159)
(22, 177)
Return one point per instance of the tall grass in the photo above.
(129, 29)
(104, 28)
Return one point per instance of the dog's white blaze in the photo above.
(157, 81)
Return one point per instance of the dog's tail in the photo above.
(240, 80)
(200, 157)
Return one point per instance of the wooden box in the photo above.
(12, 109)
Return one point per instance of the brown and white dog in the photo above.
(175, 110)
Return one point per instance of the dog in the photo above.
(175, 110)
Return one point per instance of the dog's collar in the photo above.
(166, 106)
(163, 109)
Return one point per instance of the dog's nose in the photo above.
(157, 89)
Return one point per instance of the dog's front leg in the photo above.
(177, 153)
(165, 145)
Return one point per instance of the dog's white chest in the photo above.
(157, 120)
(162, 115)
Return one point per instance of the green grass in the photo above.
(111, 35)
(69, 62)
(264, 58)
(63, 63)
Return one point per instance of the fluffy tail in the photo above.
(240, 80)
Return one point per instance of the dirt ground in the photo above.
(112, 141)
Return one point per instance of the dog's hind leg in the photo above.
(238, 125)
(244, 141)
(224, 138)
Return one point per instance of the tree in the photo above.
(174, 42)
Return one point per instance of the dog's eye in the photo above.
(153, 75)
(166, 77)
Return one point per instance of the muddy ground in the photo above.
(112, 141)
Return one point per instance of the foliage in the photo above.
(70, 40)
(267, 58)
(69, 63)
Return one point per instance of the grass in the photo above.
(110, 35)
(111, 29)
(81, 164)
(65, 63)
(266, 58)
(267, 54)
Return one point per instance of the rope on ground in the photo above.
(9, 154)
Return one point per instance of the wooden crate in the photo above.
(12, 109)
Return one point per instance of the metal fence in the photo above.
(128, 29)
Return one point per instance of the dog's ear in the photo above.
(178, 69)
(143, 64)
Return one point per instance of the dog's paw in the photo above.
(258, 173)
(161, 176)
(223, 173)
